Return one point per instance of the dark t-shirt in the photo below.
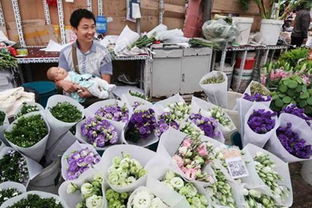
(302, 23)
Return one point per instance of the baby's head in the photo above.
(56, 73)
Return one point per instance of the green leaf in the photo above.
(304, 95)
(287, 99)
(302, 103)
(279, 103)
(309, 101)
(283, 88)
(292, 84)
(291, 93)
(298, 88)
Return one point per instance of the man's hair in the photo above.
(78, 14)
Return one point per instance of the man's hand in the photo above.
(84, 93)
(67, 86)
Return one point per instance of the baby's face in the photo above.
(59, 73)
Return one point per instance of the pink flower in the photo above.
(178, 160)
(186, 143)
(202, 150)
(191, 173)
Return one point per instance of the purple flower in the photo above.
(80, 161)
(293, 109)
(99, 132)
(163, 125)
(256, 97)
(261, 122)
(292, 143)
(113, 112)
(208, 125)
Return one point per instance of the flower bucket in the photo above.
(244, 26)
(270, 31)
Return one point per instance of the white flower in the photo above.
(71, 188)
(255, 193)
(86, 190)
(157, 203)
(169, 175)
(142, 199)
(94, 202)
(182, 150)
(177, 182)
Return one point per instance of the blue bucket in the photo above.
(44, 88)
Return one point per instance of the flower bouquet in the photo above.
(163, 124)
(141, 127)
(27, 108)
(9, 190)
(144, 197)
(4, 122)
(214, 85)
(260, 123)
(272, 176)
(24, 168)
(292, 140)
(134, 99)
(115, 199)
(77, 159)
(294, 110)
(191, 129)
(34, 199)
(256, 198)
(62, 113)
(174, 105)
(29, 135)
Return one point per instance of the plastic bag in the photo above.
(299, 126)
(37, 150)
(125, 39)
(168, 34)
(251, 137)
(219, 29)
(157, 29)
(217, 92)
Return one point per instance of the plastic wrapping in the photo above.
(219, 30)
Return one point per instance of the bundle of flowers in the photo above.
(79, 161)
(66, 112)
(257, 97)
(163, 124)
(27, 131)
(207, 125)
(141, 125)
(258, 88)
(99, 132)
(8, 193)
(219, 78)
(115, 199)
(142, 197)
(255, 199)
(191, 129)
(218, 114)
(125, 171)
(2, 117)
(265, 169)
(138, 94)
(34, 200)
(192, 157)
(293, 143)
(177, 111)
(220, 190)
(186, 189)
(261, 121)
(91, 193)
(26, 108)
(294, 110)
(113, 112)
(13, 161)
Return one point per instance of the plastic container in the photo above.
(240, 83)
(45, 89)
(270, 30)
(101, 24)
(244, 26)
(249, 63)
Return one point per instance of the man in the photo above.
(85, 55)
(302, 23)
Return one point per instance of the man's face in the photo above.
(85, 30)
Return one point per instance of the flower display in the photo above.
(257, 97)
(188, 190)
(294, 110)
(218, 114)
(163, 124)
(115, 199)
(13, 161)
(293, 143)
(34, 200)
(192, 156)
(99, 132)
(6, 194)
(221, 191)
(27, 131)
(265, 170)
(177, 111)
(214, 80)
(256, 87)
(138, 94)
(80, 161)
(207, 125)
(261, 121)
(144, 198)
(125, 170)
(26, 108)
(255, 199)
(191, 129)
(66, 112)
(91, 193)
(142, 124)
(2, 117)
(113, 112)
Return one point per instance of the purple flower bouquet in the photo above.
(113, 112)
(261, 121)
(294, 110)
(257, 97)
(77, 159)
(163, 124)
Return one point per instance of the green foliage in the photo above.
(66, 112)
(6, 194)
(294, 56)
(2, 117)
(7, 61)
(35, 201)
(26, 108)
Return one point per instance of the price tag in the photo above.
(235, 164)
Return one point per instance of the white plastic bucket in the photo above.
(244, 26)
(270, 31)
(239, 84)
(306, 171)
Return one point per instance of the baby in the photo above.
(95, 85)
